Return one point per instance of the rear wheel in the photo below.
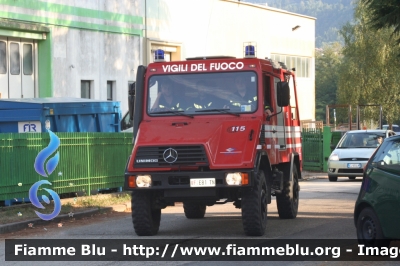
(288, 201)
(369, 231)
(332, 178)
(194, 210)
(146, 220)
(254, 207)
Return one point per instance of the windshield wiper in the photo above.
(225, 111)
(173, 112)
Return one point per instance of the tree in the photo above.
(384, 14)
(327, 62)
(370, 67)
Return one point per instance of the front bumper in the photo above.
(342, 168)
(176, 185)
(181, 180)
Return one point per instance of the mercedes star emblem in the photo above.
(170, 155)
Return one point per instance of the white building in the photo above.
(91, 48)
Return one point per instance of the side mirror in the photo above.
(131, 98)
(283, 94)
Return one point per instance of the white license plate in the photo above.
(353, 165)
(202, 182)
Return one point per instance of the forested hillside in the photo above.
(331, 15)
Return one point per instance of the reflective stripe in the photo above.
(291, 137)
(288, 146)
(281, 128)
(290, 132)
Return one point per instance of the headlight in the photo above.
(334, 157)
(234, 179)
(143, 181)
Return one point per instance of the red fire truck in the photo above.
(213, 130)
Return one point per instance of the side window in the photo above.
(126, 122)
(267, 91)
(153, 92)
(293, 105)
(280, 118)
(276, 80)
(388, 157)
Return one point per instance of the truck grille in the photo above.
(186, 156)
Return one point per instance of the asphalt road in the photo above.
(325, 212)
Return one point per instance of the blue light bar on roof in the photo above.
(250, 51)
(159, 55)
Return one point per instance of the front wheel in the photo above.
(288, 200)
(332, 178)
(254, 207)
(145, 219)
(369, 231)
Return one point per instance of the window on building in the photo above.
(301, 64)
(27, 59)
(110, 90)
(85, 89)
(3, 58)
(15, 63)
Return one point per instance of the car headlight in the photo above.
(334, 157)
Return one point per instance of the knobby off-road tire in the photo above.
(194, 210)
(332, 178)
(145, 219)
(254, 207)
(287, 202)
(369, 230)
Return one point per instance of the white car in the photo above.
(395, 128)
(353, 152)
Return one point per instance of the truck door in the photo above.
(292, 120)
(270, 129)
(281, 128)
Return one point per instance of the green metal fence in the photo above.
(316, 147)
(93, 161)
(312, 149)
(88, 162)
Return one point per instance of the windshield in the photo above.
(361, 140)
(202, 94)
